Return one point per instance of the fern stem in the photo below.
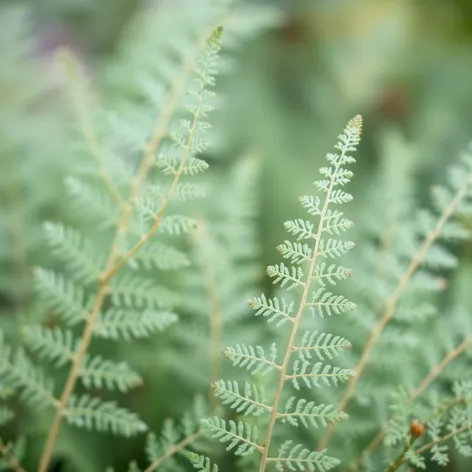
(113, 265)
(173, 450)
(303, 304)
(391, 306)
(11, 460)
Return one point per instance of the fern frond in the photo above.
(92, 414)
(298, 458)
(55, 345)
(330, 273)
(92, 203)
(301, 228)
(117, 323)
(18, 372)
(133, 291)
(322, 345)
(312, 374)
(99, 373)
(296, 252)
(252, 402)
(275, 309)
(202, 463)
(162, 256)
(287, 276)
(78, 254)
(61, 295)
(308, 413)
(176, 225)
(333, 248)
(239, 435)
(252, 358)
(326, 303)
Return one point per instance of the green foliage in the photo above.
(135, 223)
(299, 370)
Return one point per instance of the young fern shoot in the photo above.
(297, 365)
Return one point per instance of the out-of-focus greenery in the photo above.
(405, 65)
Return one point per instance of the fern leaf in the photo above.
(18, 372)
(61, 296)
(302, 229)
(92, 203)
(312, 374)
(312, 204)
(308, 413)
(127, 324)
(99, 373)
(333, 248)
(77, 253)
(336, 223)
(296, 252)
(169, 165)
(132, 291)
(176, 225)
(161, 256)
(327, 303)
(55, 345)
(251, 402)
(330, 273)
(241, 435)
(291, 277)
(275, 309)
(252, 358)
(322, 345)
(93, 414)
(298, 458)
(202, 463)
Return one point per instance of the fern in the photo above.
(242, 436)
(105, 293)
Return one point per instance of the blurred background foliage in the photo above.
(406, 65)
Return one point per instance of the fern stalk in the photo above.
(303, 304)
(392, 304)
(115, 262)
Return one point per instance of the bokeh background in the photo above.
(288, 89)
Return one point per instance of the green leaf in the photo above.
(241, 435)
(93, 414)
(253, 401)
(252, 358)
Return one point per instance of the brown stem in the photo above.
(10, 458)
(392, 305)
